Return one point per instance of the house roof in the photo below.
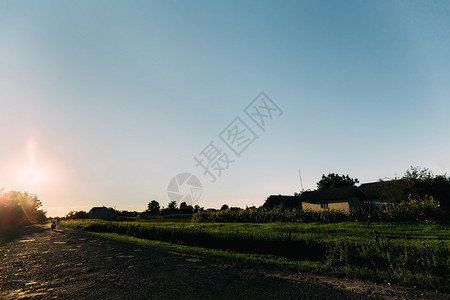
(374, 190)
(95, 209)
(342, 193)
(286, 201)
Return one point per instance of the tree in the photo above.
(333, 180)
(197, 208)
(17, 208)
(153, 208)
(224, 207)
(172, 205)
(417, 183)
(184, 208)
(77, 215)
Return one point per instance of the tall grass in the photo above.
(416, 210)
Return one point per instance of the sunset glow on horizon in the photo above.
(103, 103)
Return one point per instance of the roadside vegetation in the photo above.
(406, 253)
(416, 210)
(404, 241)
(17, 210)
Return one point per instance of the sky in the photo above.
(115, 103)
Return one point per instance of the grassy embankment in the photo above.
(405, 253)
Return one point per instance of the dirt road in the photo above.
(71, 265)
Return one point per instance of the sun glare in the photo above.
(31, 176)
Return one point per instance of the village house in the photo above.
(102, 213)
(367, 195)
(289, 202)
(375, 192)
(344, 198)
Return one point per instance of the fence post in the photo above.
(290, 238)
(375, 234)
(237, 233)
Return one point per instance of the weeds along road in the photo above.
(65, 264)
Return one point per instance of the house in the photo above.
(102, 213)
(289, 202)
(375, 192)
(344, 198)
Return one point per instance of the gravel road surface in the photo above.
(66, 264)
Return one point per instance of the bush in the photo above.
(415, 210)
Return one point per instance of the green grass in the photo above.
(242, 257)
(393, 233)
(406, 253)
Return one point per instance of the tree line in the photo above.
(416, 183)
(19, 209)
(154, 209)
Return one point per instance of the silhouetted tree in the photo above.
(224, 207)
(419, 183)
(77, 215)
(17, 208)
(184, 208)
(153, 208)
(333, 180)
(198, 208)
(172, 205)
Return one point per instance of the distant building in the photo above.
(344, 198)
(375, 192)
(288, 202)
(102, 213)
(367, 195)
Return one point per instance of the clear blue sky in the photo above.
(103, 102)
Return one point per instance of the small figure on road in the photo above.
(54, 222)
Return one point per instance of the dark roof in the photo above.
(374, 190)
(342, 193)
(285, 201)
(94, 209)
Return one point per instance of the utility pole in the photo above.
(301, 182)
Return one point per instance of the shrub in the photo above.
(424, 209)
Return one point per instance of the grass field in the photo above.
(413, 254)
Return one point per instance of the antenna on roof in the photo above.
(301, 182)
